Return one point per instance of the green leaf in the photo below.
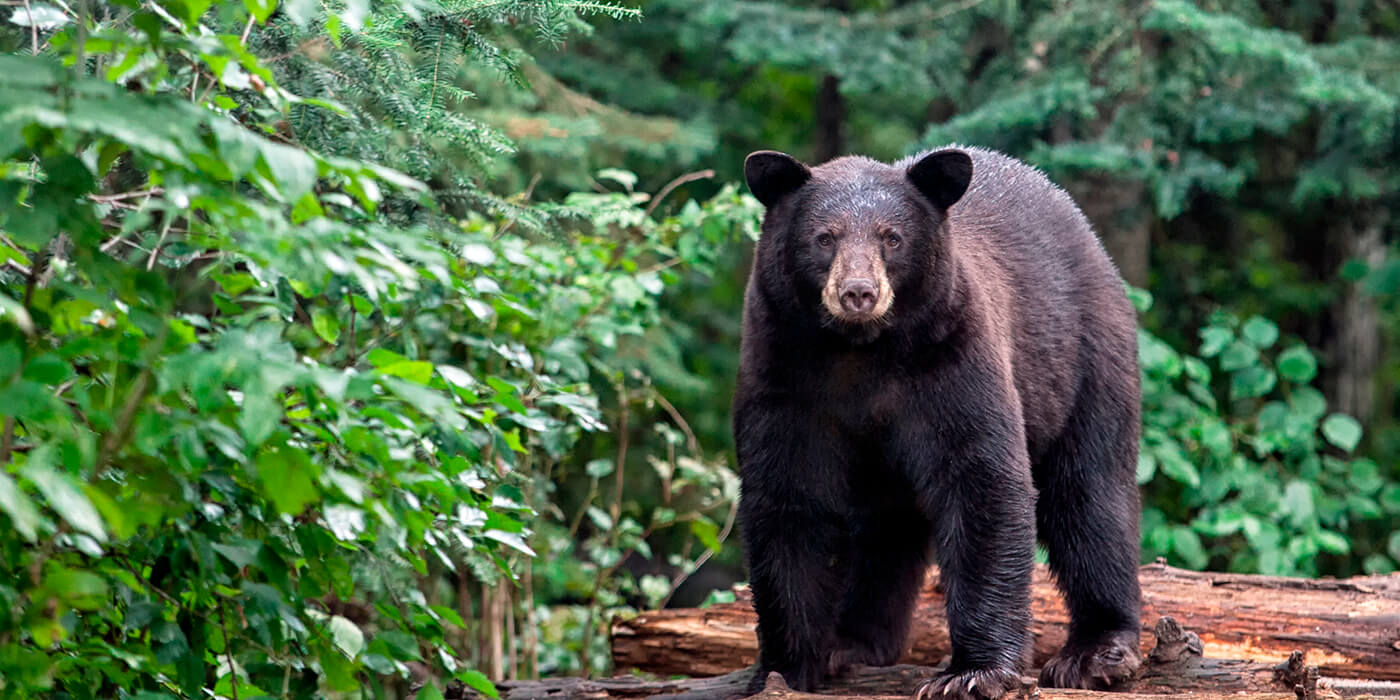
(286, 474)
(242, 553)
(1342, 430)
(1252, 382)
(1188, 546)
(623, 177)
(1239, 355)
(1298, 502)
(1378, 564)
(347, 636)
(66, 499)
(1176, 466)
(707, 532)
(510, 539)
(478, 681)
(1214, 339)
(1141, 299)
(380, 357)
(1146, 467)
(261, 414)
(23, 515)
(340, 673)
(1331, 542)
(260, 9)
(1390, 498)
(415, 371)
(291, 168)
(599, 468)
(326, 325)
(1297, 364)
(1365, 476)
(430, 692)
(83, 590)
(1260, 332)
(1394, 546)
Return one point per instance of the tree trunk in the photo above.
(1356, 341)
(1122, 218)
(1348, 628)
(831, 120)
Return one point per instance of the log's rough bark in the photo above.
(1347, 628)
(1173, 666)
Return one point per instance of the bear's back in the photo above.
(1045, 279)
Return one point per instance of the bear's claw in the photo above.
(1099, 666)
(982, 684)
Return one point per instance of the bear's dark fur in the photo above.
(937, 354)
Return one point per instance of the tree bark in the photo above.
(1356, 340)
(1119, 211)
(1174, 666)
(1348, 628)
(831, 120)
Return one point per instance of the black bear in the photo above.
(938, 356)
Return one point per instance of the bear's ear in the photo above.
(772, 174)
(942, 176)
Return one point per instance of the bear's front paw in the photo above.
(851, 654)
(803, 680)
(1100, 665)
(981, 684)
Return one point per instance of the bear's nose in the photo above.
(858, 296)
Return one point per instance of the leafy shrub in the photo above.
(1242, 465)
(262, 402)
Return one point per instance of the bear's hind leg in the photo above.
(1087, 516)
(889, 557)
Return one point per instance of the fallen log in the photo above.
(1347, 628)
(776, 689)
(1174, 666)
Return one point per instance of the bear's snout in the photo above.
(858, 296)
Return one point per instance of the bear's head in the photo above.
(854, 239)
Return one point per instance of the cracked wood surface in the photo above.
(1348, 628)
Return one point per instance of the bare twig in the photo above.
(126, 195)
(247, 29)
(228, 649)
(699, 562)
(155, 252)
(33, 29)
(691, 442)
(688, 177)
(524, 198)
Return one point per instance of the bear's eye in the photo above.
(892, 240)
(825, 240)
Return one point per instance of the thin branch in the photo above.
(723, 535)
(126, 195)
(228, 649)
(691, 442)
(243, 41)
(688, 177)
(33, 28)
(524, 199)
(155, 252)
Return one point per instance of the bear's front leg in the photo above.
(793, 515)
(972, 476)
(795, 577)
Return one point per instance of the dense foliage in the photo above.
(273, 414)
(339, 352)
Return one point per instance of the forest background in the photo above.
(348, 348)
